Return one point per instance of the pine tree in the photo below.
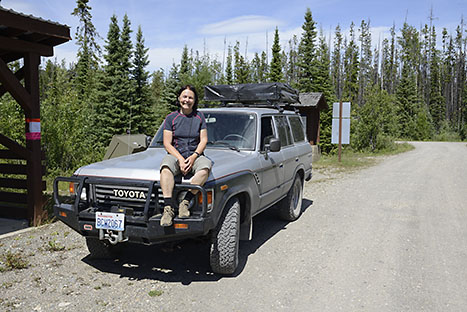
(337, 66)
(307, 55)
(291, 75)
(364, 76)
(413, 116)
(228, 68)
(241, 66)
(143, 118)
(88, 51)
(351, 69)
(275, 70)
(436, 100)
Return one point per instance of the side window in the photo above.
(297, 128)
(267, 130)
(283, 130)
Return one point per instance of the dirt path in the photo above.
(388, 238)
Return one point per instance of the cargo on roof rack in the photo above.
(251, 94)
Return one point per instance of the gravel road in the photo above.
(392, 237)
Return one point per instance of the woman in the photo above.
(185, 137)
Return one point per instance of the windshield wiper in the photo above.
(232, 147)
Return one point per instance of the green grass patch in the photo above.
(352, 160)
(155, 293)
(13, 261)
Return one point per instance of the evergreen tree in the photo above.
(413, 117)
(143, 118)
(275, 70)
(337, 66)
(88, 51)
(186, 66)
(351, 69)
(307, 55)
(436, 100)
(228, 69)
(364, 76)
(241, 66)
(291, 75)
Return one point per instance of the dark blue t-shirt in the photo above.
(185, 130)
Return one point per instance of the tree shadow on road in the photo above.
(187, 261)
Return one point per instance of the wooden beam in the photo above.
(33, 144)
(14, 147)
(13, 211)
(19, 21)
(11, 197)
(22, 46)
(19, 184)
(16, 89)
(19, 75)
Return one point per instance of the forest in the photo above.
(410, 86)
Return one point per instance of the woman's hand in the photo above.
(187, 164)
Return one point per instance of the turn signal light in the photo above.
(72, 189)
(183, 226)
(62, 214)
(209, 196)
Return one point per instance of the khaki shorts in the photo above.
(169, 161)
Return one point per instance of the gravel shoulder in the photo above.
(386, 238)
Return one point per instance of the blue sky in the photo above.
(169, 25)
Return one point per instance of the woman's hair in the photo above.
(192, 89)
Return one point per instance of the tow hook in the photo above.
(113, 237)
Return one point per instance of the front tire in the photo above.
(225, 240)
(290, 208)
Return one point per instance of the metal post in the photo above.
(340, 130)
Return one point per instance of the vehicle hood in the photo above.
(145, 165)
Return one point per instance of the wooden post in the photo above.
(340, 130)
(33, 139)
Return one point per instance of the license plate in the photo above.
(110, 221)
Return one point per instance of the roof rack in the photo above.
(271, 95)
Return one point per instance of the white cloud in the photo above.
(163, 58)
(241, 25)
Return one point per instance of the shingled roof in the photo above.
(312, 99)
(20, 33)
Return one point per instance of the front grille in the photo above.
(126, 197)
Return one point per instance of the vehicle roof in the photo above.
(248, 109)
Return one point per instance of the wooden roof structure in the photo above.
(312, 99)
(25, 38)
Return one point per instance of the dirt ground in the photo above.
(387, 238)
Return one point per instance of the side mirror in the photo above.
(274, 145)
(148, 140)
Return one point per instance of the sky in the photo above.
(211, 25)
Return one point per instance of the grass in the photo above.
(13, 261)
(155, 293)
(54, 246)
(352, 160)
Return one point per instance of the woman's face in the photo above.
(187, 99)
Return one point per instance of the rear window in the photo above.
(297, 128)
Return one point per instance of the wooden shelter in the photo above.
(24, 38)
(310, 106)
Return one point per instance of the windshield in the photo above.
(233, 130)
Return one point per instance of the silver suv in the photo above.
(261, 159)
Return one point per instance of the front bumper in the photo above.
(140, 227)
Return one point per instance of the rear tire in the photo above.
(225, 240)
(290, 208)
(102, 250)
